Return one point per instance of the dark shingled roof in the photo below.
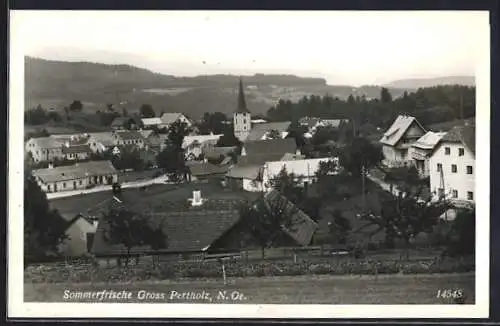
(188, 228)
(302, 227)
(462, 134)
(270, 146)
(74, 149)
(198, 168)
(129, 135)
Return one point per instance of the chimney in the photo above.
(196, 200)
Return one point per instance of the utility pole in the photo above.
(363, 172)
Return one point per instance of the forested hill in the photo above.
(56, 84)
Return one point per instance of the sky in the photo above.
(347, 47)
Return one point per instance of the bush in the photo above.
(89, 272)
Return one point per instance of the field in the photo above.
(383, 289)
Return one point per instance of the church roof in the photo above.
(242, 105)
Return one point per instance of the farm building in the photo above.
(247, 173)
(200, 224)
(45, 149)
(398, 139)
(78, 176)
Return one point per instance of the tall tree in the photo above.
(146, 111)
(126, 228)
(76, 106)
(44, 228)
(385, 95)
(172, 159)
(406, 216)
(266, 220)
(360, 154)
(228, 139)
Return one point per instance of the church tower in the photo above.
(242, 119)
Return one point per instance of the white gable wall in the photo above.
(459, 181)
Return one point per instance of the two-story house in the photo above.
(129, 137)
(421, 150)
(398, 139)
(452, 165)
(44, 149)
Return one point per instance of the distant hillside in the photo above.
(55, 84)
(429, 82)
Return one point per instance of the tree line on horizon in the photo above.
(429, 105)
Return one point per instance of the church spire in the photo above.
(242, 105)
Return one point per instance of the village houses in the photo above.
(45, 149)
(398, 139)
(452, 164)
(77, 176)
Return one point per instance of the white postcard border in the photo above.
(17, 307)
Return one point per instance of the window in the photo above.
(48, 187)
(455, 194)
(470, 195)
(446, 151)
(439, 167)
(469, 169)
(64, 184)
(80, 182)
(461, 152)
(454, 168)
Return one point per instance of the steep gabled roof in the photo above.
(168, 118)
(302, 227)
(462, 134)
(429, 140)
(397, 130)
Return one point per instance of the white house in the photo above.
(398, 139)
(452, 165)
(45, 149)
(195, 145)
(78, 176)
(149, 123)
(304, 169)
(168, 118)
(129, 137)
(420, 151)
(101, 141)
